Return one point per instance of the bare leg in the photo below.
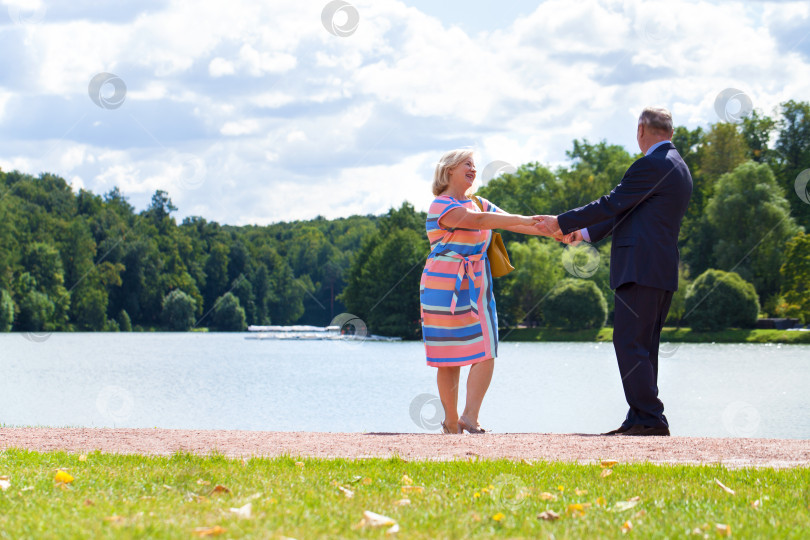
(447, 380)
(477, 384)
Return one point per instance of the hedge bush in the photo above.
(228, 315)
(178, 310)
(718, 300)
(575, 304)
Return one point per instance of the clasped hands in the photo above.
(548, 226)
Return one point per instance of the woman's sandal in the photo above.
(447, 431)
(463, 425)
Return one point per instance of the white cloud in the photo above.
(290, 121)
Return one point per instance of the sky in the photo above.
(255, 112)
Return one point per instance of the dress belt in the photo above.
(466, 268)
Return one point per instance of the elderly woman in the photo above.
(459, 322)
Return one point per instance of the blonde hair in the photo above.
(657, 119)
(450, 160)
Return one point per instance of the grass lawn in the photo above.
(681, 335)
(177, 497)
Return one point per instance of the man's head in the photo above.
(654, 126)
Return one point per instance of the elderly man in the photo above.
(643, 214)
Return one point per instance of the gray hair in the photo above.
(450, 160)
(658, 119)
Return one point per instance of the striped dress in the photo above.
(459, 322)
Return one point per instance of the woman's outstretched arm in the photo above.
(462, 218)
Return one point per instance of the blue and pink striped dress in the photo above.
(459, 321)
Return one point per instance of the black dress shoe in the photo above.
(618, 431)
(639, 430)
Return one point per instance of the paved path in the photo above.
(530, 446)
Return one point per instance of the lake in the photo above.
(224, 381)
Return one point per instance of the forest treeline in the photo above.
(89, 262)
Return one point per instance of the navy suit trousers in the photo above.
(639, 316)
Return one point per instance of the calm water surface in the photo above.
(223, 381)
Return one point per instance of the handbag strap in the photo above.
(478, 203)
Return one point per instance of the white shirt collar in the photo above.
(656, 145)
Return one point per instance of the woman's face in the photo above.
(463, 174)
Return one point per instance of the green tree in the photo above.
(520, 294)
(796, 275)
(124, 323)
(178, 311)
(384, 282)
(752, 223)
(718, 300)
(6, 311)
(575, 304)
(757, 130)
(793, 150)
(724, 148)
(228, 315)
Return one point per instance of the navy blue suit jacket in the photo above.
(643, 213)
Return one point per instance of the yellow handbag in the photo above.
(499, 263)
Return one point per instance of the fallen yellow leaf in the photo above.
(82, 457)
(406, 480)
(724, 487)
(608, 463)
(299, 464)
(113, 519)
(581, 491)
(606, 472)
(723, 530)
(601, 501)
(546, 496)
(367, 481)
(220, 489)
(548, 515)
(412, 489)
(402, 502)
(63, 477)
(208, 531)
